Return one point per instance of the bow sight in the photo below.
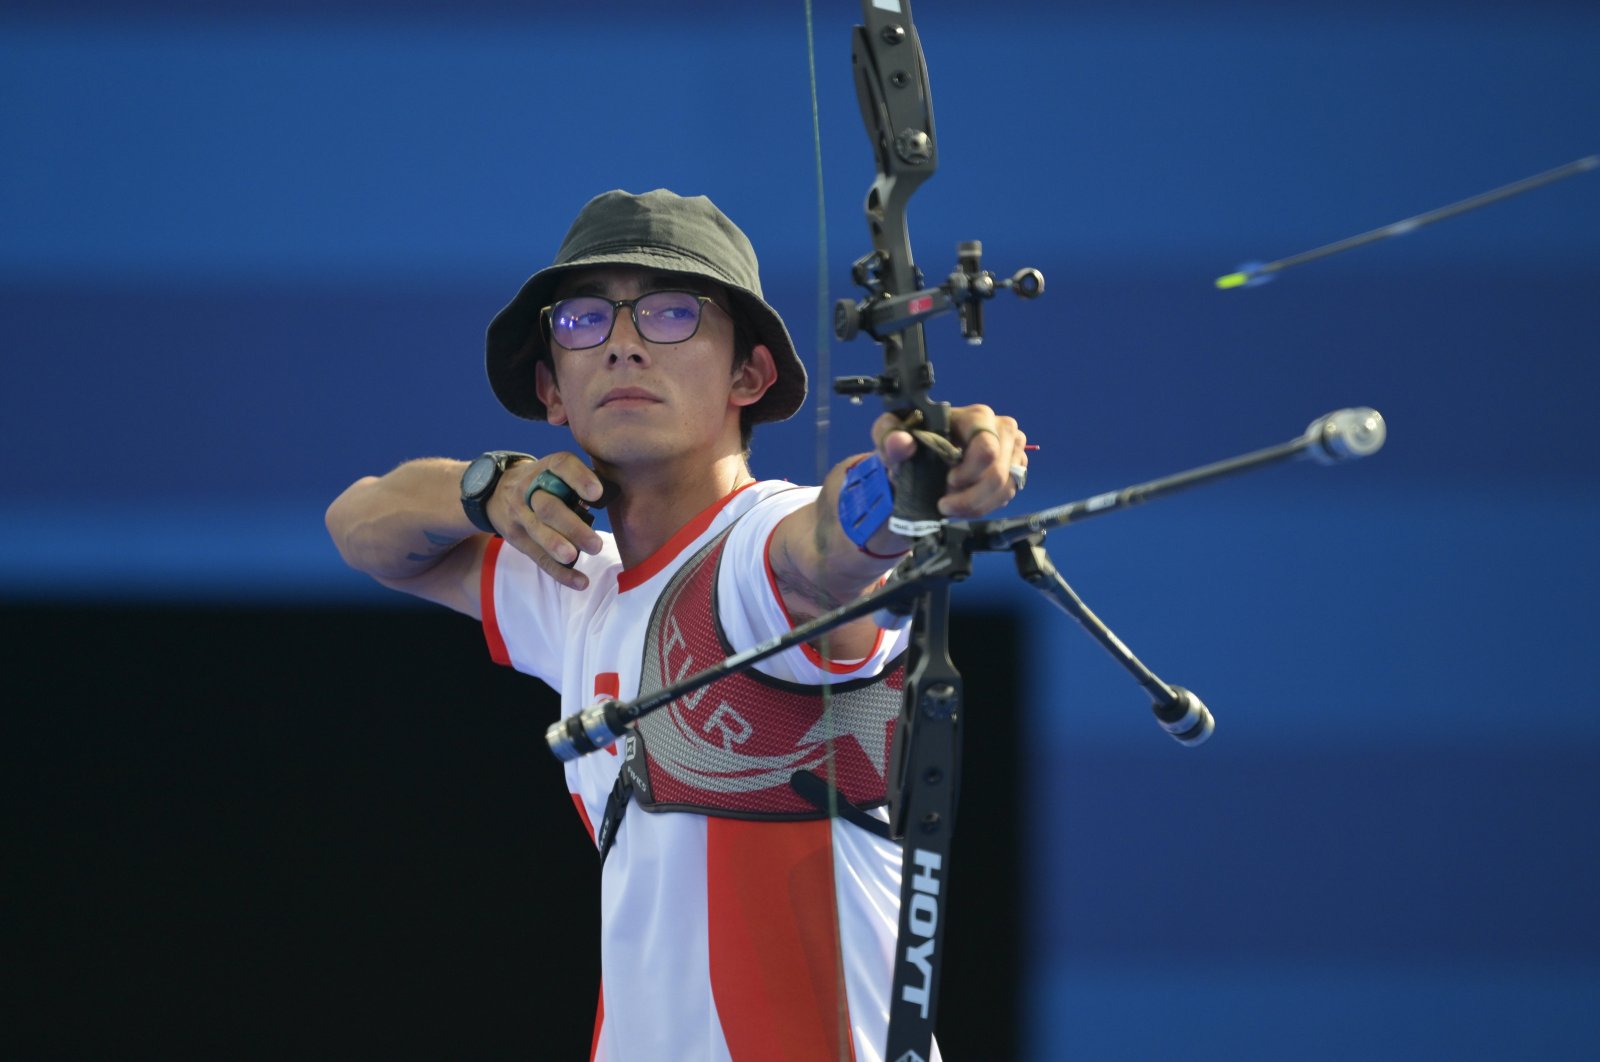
(881, 313)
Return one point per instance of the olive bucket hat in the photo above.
(656, 230)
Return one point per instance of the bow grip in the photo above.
(919, 484)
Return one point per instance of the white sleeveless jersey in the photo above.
(721, 939)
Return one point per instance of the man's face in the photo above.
(631, 400)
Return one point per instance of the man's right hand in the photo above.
(541, 525)
(408, 531)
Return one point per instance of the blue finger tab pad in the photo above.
(865, 500)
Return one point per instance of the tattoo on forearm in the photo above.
(438, 543)
(794, 579)
(811, 590)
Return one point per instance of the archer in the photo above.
(740, 917)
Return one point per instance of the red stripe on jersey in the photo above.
(776, 970)
(583, 814)
(629, 578)
(608, 684)
(832, 667)
(491, 623)
(599, 1020)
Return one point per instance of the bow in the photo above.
(891, 79)
(892, 89)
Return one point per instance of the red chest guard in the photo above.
(730, 748)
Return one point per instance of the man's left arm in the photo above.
(817, 566)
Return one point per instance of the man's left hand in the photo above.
(993, 462)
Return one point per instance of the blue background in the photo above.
(249, 251)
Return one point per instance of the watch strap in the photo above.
(476, 504)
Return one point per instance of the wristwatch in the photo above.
(479, 481)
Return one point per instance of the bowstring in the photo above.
(824, 407)
(823, 370)
(823, 430)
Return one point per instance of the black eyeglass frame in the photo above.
(633, 315)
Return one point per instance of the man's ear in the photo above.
(752, 379)
(544, 385)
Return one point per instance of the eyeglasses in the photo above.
(585, 321)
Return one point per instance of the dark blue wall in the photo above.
(247, 254)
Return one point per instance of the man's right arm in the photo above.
(408, 531)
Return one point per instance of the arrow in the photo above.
(1252, 273)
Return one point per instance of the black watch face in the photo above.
(478, 476)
